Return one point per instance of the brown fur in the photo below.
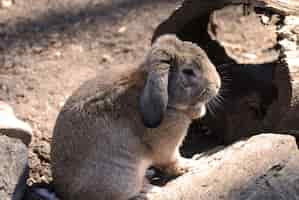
(101, 148)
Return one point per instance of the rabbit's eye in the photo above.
(188, 72)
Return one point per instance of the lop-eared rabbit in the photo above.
(107, 135)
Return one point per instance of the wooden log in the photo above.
(255, 103)
(273, 105)
(237, 172)
(231, 34)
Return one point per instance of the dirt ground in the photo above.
(49, 47)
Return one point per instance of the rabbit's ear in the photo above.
(154, 97)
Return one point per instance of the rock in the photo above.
(264, 167)
(279, 182)
(13, 168)
(11, 126)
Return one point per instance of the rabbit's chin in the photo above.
(194, 112)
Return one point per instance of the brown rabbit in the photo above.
(107, 135)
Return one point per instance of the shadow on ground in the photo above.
(68, 22)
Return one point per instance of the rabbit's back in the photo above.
(95, 144)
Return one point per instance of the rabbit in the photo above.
(108, 134)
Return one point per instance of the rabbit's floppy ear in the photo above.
(154, 97)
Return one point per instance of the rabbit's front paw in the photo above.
(180, 167)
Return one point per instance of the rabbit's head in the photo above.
(180, 76)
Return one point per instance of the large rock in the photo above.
(13, 168)
(264, 167)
